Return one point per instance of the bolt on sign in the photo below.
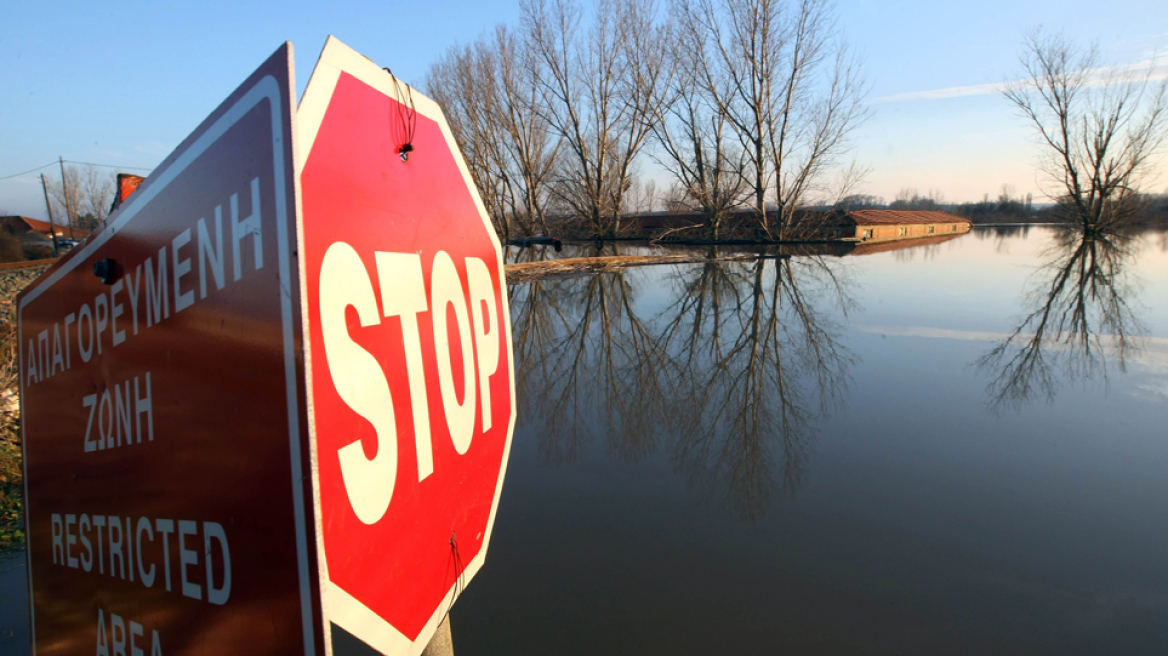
(274, 395)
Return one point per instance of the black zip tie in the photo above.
(408, 117)
(457, 565)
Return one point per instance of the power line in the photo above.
(71, 161)
(112, 166)
(17, 175)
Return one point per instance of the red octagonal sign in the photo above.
(410, 374)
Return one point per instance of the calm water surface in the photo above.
(956, 448)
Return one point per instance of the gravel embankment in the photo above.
(11, 282)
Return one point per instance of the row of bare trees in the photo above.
(745, 103)
(82, 199)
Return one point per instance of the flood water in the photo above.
(954, 448)
(949, 448)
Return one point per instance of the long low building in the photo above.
(887, 225)
(852, 225)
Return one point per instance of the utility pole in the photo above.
(65, 190)
(49, 207)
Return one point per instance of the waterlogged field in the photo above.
(946, 447)
(953, 448)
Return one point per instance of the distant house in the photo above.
(854, 248)
(811, 225)
(127, 184)
(886, 225)
(25, 227)
(872, 247)
(35, 231)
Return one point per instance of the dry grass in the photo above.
(12, 280)
(11, 476)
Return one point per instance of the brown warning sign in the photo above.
(167, 503)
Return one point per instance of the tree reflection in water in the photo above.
(587, 363)
(1081, 321)
(730, 377)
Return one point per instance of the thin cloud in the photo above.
(1152, 352)
(1099, 77)
(153, 148)
(1152, 392)
(946, 92)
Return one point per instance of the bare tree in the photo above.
(696, 143)
(908, 198)
(534, 150)
(599, 85)
(84, 196)
(489, 93)
(66, 195)
(1100, 129)
(461, 83)
(791, 90)
(641, 196)
(861, 202)
(97, 193)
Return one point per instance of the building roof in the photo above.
(127, 184)
(43, 227)
(901, 217)
(26, 224)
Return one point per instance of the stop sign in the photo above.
(408, 353)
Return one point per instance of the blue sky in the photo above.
(125, 83)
